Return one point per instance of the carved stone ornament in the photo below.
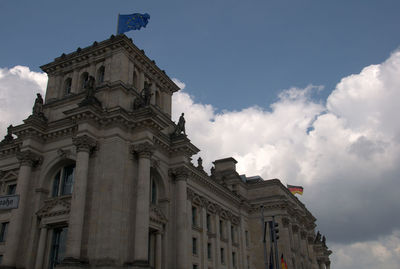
(190, 194)
(84, 143)
(303, 234)
(180, 173)
(285, 222)
(143, 150)
(29, 158)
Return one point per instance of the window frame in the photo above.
(3, 231)
(60, 181)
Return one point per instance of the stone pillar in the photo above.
(217, 242)
(28, 159)
(321, 264)
(205, 237)
(182, 226)
(84, 144)
(140, 254)
(158, 250)
(243, 245)
(229, 250)
(141, 81)
(41, 248)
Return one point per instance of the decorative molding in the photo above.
(29, 158)
(212, 207)
(157, 215)
(84, 143)
(180, 173)
(143, 150)
(55, 207)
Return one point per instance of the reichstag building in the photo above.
(99, 176)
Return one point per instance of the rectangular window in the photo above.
(221, 229)
(194, 245)
(247, 238)
(3, 231)
(248, 262)
(233, 233)
(11, 189)
(208, 222)
(195, 266)
(194, 216)
(209, 251)
(222, 255)
(58, 244)
(234, 259)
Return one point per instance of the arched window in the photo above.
(100, 74)
(135, 80)
(63, 181)
(67, 86)
(84, 79)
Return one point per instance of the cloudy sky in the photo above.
(304, 91)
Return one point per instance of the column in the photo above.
(28, 159)
(41, 248)
(140, 253)
(217, 242)
(243, 245)
(84, 144)
(321, 264)
(182, 228)
(205, 237)
(158, 250)
(141, 81)
(229, 250)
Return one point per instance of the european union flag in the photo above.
(133, 21)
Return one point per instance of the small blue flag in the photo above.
(133, 21)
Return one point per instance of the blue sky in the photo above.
(247, 50)
(305, 91)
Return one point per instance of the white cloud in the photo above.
(18, 88)
(381, 253)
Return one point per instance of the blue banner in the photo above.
(133, 21)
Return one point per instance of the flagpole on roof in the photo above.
(117, 23)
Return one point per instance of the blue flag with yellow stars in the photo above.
(133, 21)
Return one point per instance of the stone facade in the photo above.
(104, 180)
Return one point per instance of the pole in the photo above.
(275, 244)
(117, 23)
(264, 226)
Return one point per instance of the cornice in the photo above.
(10, 149)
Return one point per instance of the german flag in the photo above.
(283, 263)
(295, 189)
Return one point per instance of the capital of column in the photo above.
(29, 158)
(84, 143)
(143, 150)
(180, 173)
